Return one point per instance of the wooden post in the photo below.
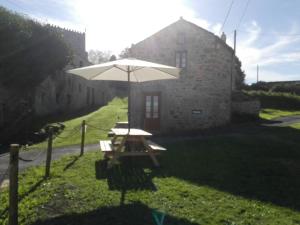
(49, 153)
(13, 184)
(82, 137)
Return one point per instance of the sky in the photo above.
(268, 31)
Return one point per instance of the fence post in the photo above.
(13, 184)
(49, 153)
(82, 137)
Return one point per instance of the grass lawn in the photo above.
(245, 178)
(269, 114)
(98, 125)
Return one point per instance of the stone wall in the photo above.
(204, 86)
(250, 108)
(64, 92)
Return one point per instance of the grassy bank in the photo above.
(98, 125)
(246, 178)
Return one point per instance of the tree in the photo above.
(29, 51)
(113, 58)
(125, 53)
(97, 56)
(240, 75)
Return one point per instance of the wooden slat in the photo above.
(155, 146)
(105, 145)
(133, 132)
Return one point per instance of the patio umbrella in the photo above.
(130, 70)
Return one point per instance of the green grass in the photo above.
(98, 125)
(246, 178)
(269, 114)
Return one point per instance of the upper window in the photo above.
(180, 38)
(180, 59)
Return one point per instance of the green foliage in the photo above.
(29, 51)
(125, 53)
(292, 87)
(97, 56)
(240, 77)
(277, 100)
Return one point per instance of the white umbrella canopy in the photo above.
(130, 70)
(139, 70)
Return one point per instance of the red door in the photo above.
(152, 111)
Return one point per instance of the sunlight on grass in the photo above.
(295, 126)
(269, 114)
(98, 125)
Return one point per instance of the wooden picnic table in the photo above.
(132, 143)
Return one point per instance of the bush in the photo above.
(29, 51)
(276, 100)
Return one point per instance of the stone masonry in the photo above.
(66, 92)
(204, 85)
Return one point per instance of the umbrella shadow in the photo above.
(128, 175)
(135, 213)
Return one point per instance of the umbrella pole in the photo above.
(129, 102)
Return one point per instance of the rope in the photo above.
(98, 128)
(34, 158)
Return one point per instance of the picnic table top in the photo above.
(133, 132)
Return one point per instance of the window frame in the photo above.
(181, 54)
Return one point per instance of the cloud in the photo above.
(267, 51)
(113, 25)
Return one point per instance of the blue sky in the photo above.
(269, 34)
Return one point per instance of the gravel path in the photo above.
(39, 157)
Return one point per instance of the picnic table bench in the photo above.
(132, 143)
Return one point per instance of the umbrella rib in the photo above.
(164, 71)
(98, 73)
(120, 68)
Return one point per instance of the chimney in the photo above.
(223, 37)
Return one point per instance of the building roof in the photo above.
(181, 20)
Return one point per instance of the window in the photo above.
(180, 59)
(81, 63)
(180, 38)
(148, 106)
(79, 88)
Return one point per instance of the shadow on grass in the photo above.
(70, 164)
(135, 213)
(263, 165)
(128, 175)
(24, 195)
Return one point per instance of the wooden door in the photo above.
(152, 111)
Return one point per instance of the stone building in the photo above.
(58, 93)
(201, 97)
(66, 92)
